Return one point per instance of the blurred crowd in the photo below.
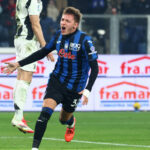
(7, 22)
(131, 31)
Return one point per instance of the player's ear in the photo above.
(76, 25)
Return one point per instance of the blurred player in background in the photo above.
(27, 40)
(67, 83)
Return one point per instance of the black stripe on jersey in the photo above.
(79, 63)
(19, 28)
(29, 28)
(19, 31)
(56, 39)
(28, 4)
(28, 24)
(69, 63)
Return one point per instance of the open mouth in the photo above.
(63, 28)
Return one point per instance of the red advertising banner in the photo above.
(122, 81)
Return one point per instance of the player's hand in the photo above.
(84, 98)
(11, 67)
(50, 57)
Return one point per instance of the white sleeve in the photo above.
(35, 7)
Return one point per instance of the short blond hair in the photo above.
(75, 12)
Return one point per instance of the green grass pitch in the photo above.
(94, 131)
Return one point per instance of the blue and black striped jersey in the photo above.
(74, 53)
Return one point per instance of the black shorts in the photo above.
(57, 91)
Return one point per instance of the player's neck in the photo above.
(68, 35)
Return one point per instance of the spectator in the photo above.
(98, 6)
(49, 22)
(11, 8)
(7, 25)
(1, 8)
(52, 11)
(133, 37)
(126, 7)
(9, 19)
(116, 6)
(61, 4)
(141, 6)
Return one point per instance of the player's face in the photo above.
(68, 24)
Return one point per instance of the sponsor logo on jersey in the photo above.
(64, 54)
(58, 42)
(74, 46)
(66, 46)
(136, 67)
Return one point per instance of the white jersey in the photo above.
(25, 8)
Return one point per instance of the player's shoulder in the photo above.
(33, 3)
(56, 35)
(58, 31)
(85, 35)
(87, 38)
(36, 1)
(21, 1)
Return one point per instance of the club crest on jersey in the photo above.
(66, 46)
(74, 46)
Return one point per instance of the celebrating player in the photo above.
(68, 81)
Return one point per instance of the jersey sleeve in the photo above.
(52, 43)
(35, 7)
(89, 48)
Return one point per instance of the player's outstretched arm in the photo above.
(10, 68)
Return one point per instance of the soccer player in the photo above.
(68, 81)
(27, 39)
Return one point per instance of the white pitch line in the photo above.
(85, 142)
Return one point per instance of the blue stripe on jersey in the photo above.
(58, 42)
(51, 43)
(65, 62)
(74, 63)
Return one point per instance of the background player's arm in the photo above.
(35, 21)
